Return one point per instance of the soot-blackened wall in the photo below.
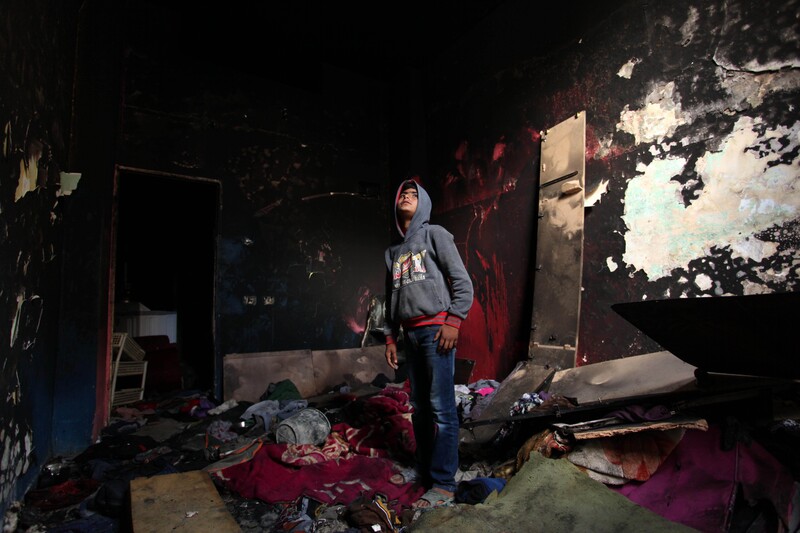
(691, 162)
(300, 151)
(35, 90)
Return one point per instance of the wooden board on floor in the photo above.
(186, 501)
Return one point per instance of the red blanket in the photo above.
(352, 461)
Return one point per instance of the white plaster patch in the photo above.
(703, 282)
(626, 70)
(755, 249)
(658, 118)
(593, 197)
(754, 288)
(653, 215)
(611, 264)
(68, 183)
(690, 26)
(743, 196)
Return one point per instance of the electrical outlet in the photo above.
(269, 300)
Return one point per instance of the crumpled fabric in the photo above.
(282, 390)
(221, 430)
(641, 413)
(270, 410)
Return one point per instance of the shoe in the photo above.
(434, 498)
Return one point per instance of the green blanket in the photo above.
(548, 495)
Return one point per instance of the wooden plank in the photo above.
(356, 366)
(247, 376)
(186, 501)
(625, 429)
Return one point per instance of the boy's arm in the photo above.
(390, 328)
(454, 270)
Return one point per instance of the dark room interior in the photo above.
(195, 202)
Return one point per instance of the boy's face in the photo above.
(407, 202)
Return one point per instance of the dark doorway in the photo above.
(165, 264)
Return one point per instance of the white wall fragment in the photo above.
(626, 70)
(750, 185)
(658, 118)
(594, 196)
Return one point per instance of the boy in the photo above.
(429, 294)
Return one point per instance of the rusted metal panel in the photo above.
(559, 245)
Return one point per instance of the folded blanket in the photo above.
(619, 459)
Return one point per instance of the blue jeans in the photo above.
(433, 397)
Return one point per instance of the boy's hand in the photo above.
(391, 355)
(447, 337)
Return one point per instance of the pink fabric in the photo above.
(351, 462)
(696, 485)
(384, 427)
(340, 480)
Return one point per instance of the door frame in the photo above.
(104, 375)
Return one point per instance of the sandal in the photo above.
(434, 498)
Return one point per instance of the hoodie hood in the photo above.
(423, 214)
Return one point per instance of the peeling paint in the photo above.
(658, 118)
(626, 70)
(748, 26)
(611, 264)
(28, 176)
(703, 282)
(751, 287)
(748, 89)
(690, 26)
(754, 65)
(68, 183)
(16, 460)
(749, 188)
(594, 196)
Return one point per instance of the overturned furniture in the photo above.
(128, 363)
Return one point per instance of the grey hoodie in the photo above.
(427, 281)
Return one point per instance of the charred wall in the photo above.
(691, 161)
(300, 151)
(36, 58)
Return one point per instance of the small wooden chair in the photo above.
(127, 360)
